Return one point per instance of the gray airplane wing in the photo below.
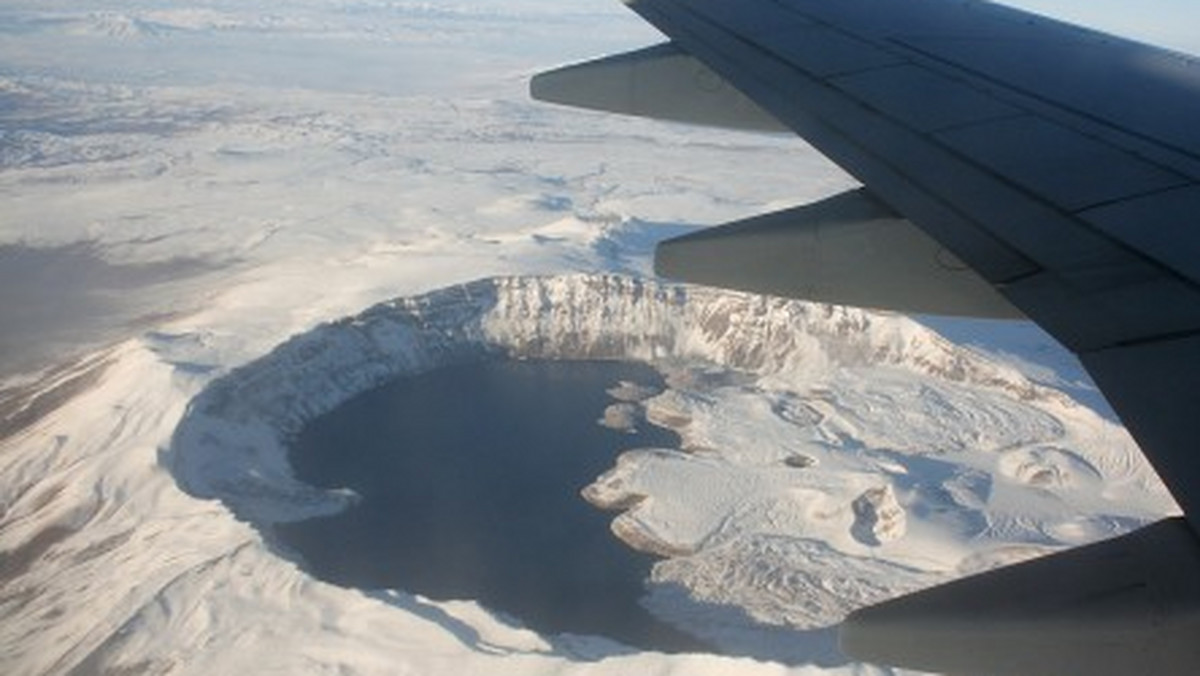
(1012, 164)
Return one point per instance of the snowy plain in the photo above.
(221, 183)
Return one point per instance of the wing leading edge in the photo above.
(1062, 166)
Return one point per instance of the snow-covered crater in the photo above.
(830, 457)
(230, 445)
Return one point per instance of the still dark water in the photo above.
(470, 479)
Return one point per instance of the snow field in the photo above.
(316, 158)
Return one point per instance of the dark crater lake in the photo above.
(470, 479)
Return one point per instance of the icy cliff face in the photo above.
(231, 444)
(617, 317)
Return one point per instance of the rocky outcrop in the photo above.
(878, 517)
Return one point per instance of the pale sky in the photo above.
(1174, 24)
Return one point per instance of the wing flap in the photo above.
(923, 100)
(1049, 61)
(1062, 166)
(1165, 225)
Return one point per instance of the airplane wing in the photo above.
(1014, 165)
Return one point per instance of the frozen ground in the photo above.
(302, 161)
